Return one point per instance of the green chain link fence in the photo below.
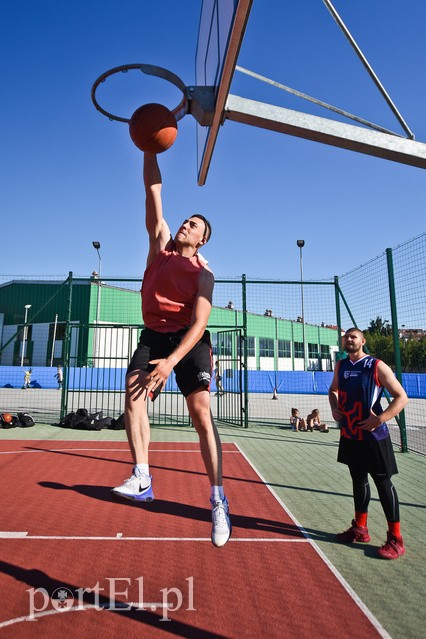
(275, 342)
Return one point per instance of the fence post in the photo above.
(245, 371)
(338, 315)
(64, 395)
(396, 347)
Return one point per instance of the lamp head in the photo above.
(300, 243)
(96, 245)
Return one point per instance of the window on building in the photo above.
(224, 344)
(313, 351)
(266, 347)
(284, 348)
(251, 347)
(21, 333)
(325, 352)
(298, 349)
(59, 333)
(213, 337)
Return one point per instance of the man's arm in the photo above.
(158, 230)
(388, 380)
(200, 318)
(333, 397)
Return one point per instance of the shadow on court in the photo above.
(177, 509)
(35, 578)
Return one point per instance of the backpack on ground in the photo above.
(105, 422)
(81, 415)
(118, 424)
(68, 420)
(90, 423)
(25, 420)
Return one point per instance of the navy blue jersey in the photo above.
(359, 390)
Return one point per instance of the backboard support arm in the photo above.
(326, 131)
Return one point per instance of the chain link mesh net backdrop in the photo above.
(275, 343)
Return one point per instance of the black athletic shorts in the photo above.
(193, 370)
(375, 457)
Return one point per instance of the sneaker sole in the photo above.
(221, 546)
(140, 498)
(391, 558)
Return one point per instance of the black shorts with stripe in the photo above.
(375, 457)
(192, 372)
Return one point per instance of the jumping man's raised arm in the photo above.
(156, 225)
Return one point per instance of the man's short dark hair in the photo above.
(207, 226)
(353, 329)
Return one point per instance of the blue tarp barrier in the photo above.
(113, 379)
(289, 382)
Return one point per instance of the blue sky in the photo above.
(70, 176)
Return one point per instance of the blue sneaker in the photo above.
(137, 488)
(221, 524)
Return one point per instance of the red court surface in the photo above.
(63, 534)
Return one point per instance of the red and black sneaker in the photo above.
(393, 548)
(354, 533)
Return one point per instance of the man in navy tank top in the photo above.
(177, 294)
(365, 445)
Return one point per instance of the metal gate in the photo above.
(97, 357)
(230, 405)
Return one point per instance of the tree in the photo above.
(380, 346)
(380, 326)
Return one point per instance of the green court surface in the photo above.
(302, 469)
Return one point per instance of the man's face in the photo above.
(191, 232)
(353, 342)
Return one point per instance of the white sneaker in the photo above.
(221, 528)
(137, 488)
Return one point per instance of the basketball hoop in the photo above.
(149, 69)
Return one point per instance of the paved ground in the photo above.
(45, 406)
(302, 469)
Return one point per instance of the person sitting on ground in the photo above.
(314, 422)
(297, 423)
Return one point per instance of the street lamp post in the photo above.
(24, 337)
(97, 246)
(301, 244)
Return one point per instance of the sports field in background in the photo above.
(281, 575)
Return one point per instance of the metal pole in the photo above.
(97, 246)
(338, 314)
(368, 67)
(98, 305)
(397, 351)
(24, 338)
(245, 357)
(67, 351)
(301, 244)
(54, 339)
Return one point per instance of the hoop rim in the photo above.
(179, 111)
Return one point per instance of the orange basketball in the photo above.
(153, 128)
(7, 418)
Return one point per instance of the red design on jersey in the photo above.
(352, 417)
(376, 373)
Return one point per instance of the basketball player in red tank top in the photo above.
(177, 294)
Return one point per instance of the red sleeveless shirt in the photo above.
(169, 289)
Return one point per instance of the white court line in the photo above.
(367, 612)
(115, 607)
(110, 450)
(120, 537)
